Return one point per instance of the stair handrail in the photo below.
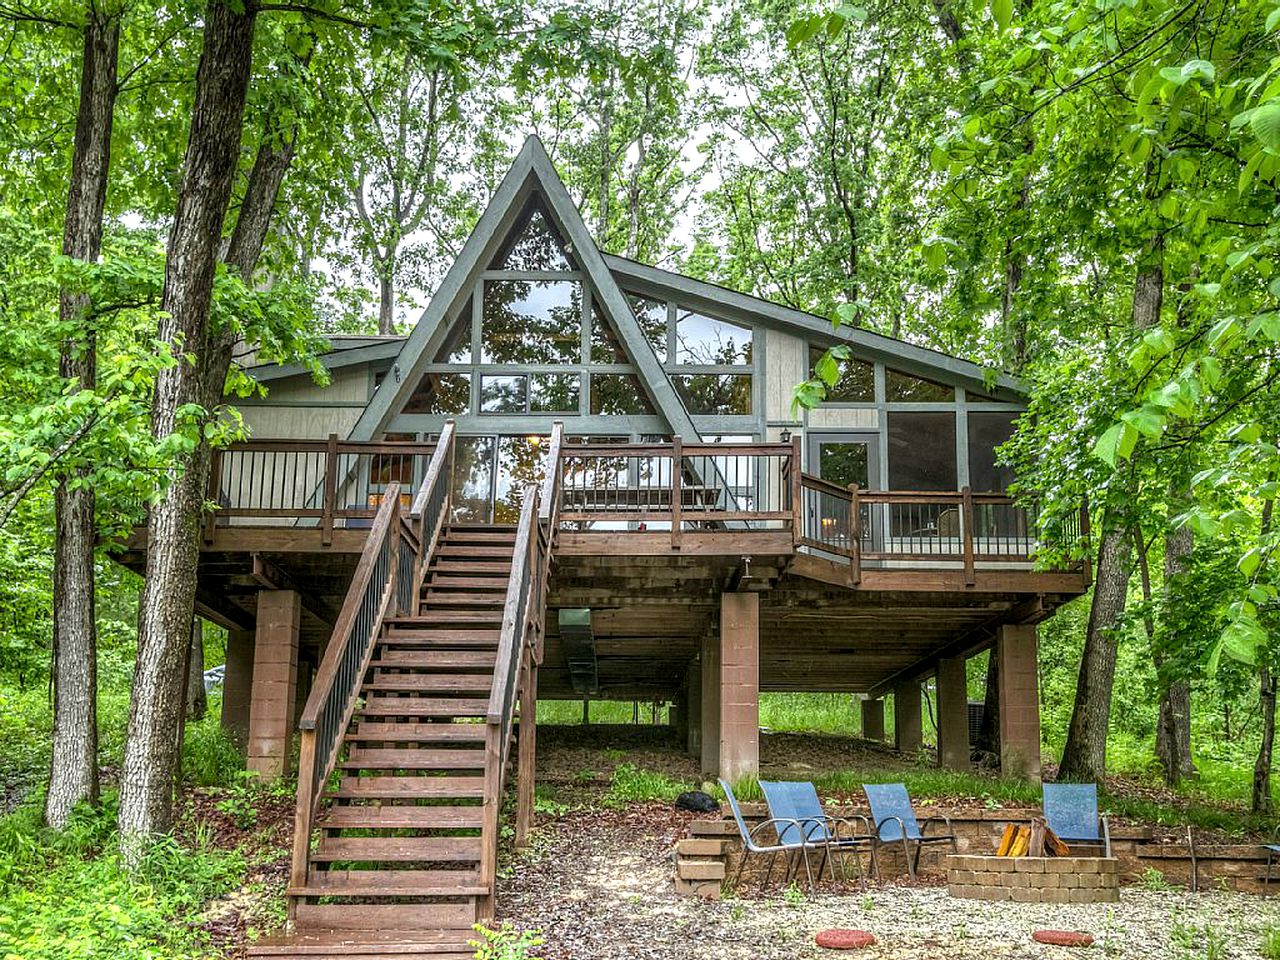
(431, 504)
(549, 503)
(332, 701)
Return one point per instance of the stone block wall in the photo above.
(1034, 879)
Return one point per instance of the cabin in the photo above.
(583, 477)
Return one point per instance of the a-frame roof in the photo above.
(531, 171)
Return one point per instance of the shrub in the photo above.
(1270, 947)
(210, 758)
(630, 784)
(505, 943)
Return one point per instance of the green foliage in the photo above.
(793, 896)
(1270, 946)
(631, 784)
(210, 757)
(505, 943)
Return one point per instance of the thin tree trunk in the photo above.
(197, 701)
(1261, 797)
(1084, 758)
(73, 774)
(1173, 731)
(386, 302)
(164, 620)
(989, 732)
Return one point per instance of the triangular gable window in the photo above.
(534, 244)
(905, 388)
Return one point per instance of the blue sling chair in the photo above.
(794, 848)
(1071, 811)
(797, 802)
(896, 822)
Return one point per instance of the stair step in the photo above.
(397, 817)
(440, 639)
(497, 551)
(414, 760)
(462, 581)
(398, 850)
(384, 916)
(431, 682)
(480, 536)
(383, 732)
(408, 890)
(492, 614)
(413, 788)
(436, 659)
(384, 944)
(426, 706)
(445, 598)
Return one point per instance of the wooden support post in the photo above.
(953, 714)
(528, 751)
(275, 672)
(710, 671)
(797, 491)
(677, 490)
(330, 490)
(214, 495)
(1019, 702)
(237, 681)
(907, 733)
(873, 719)
(693, 722)
(855, 536)
(739, 686)
(966, 528)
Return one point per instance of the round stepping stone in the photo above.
(1063, 938)
(838, 939)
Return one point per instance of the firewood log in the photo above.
(1019, 848)
(1054, 845)
(1035, 844)
(1006, 839)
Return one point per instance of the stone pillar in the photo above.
(953, 715)
(907, 733)
(693, 711)
(739, 686)
(710, 706)
(1019, 702)
(237, 679)
(873, 719)
(275, 673)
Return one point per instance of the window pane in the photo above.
(457, 347)
(535, 245)
(503, 394)
(553, 393)
(441, 393)
(857, 383)
(652, 317)
(604, 343)
(618, 394)
(520, 462)
(922, 451)
(705, 340)
(986, 432)
(472, 478)
(904, 388)
(845, 462)
(724, 394)
(531, 321)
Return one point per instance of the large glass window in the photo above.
(457, 346)
(711, 393)
(652, 317)
(605, 347)
(706, 341)
(857, 383)
(922, 451)
(535, 245)
(902, 387)
(986, 432)
(520, 462)
(441, 393)
(504, 394)
(618, 394)
(531, 321)
(553, 393)
(472, 478)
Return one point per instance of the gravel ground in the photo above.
(598, 886)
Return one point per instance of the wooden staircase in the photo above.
(401, 781)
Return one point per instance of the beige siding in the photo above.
(785, 360)
(298, 408)
(828, 418)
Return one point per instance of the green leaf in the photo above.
(1249, 563)
(1116, 443)
(1265, 125)
(1002, 13)
(1148, 420)
(1199, 70)
(1273, 19)
(1241, 639)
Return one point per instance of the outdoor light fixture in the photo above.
(785, 436)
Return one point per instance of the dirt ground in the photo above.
(597, 884)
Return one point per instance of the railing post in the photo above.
(1086, 567)
(330, 490)
(966, 526)
(855, 536)
(797, 492)
(302, 816)
(214, 494)
(677, 490)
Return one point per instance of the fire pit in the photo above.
(1034, 879)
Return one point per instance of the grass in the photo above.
(1270, 946)
(632, 784)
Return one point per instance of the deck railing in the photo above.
(326, 483)
(387, 581)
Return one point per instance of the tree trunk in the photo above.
(989, 733)
(164, 620)
(73, 775)
(386, 302)
(197, 701)
(1084, 758)
(1173, 731)
(1261, 802)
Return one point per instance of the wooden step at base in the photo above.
(378, 731)
(383, 759)
(398, 850)
(346, 882)
(436, 659)
(410, 788)
(424, 706)
(384, 916)
(452, 683)
(388, 816)
(383, 944)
